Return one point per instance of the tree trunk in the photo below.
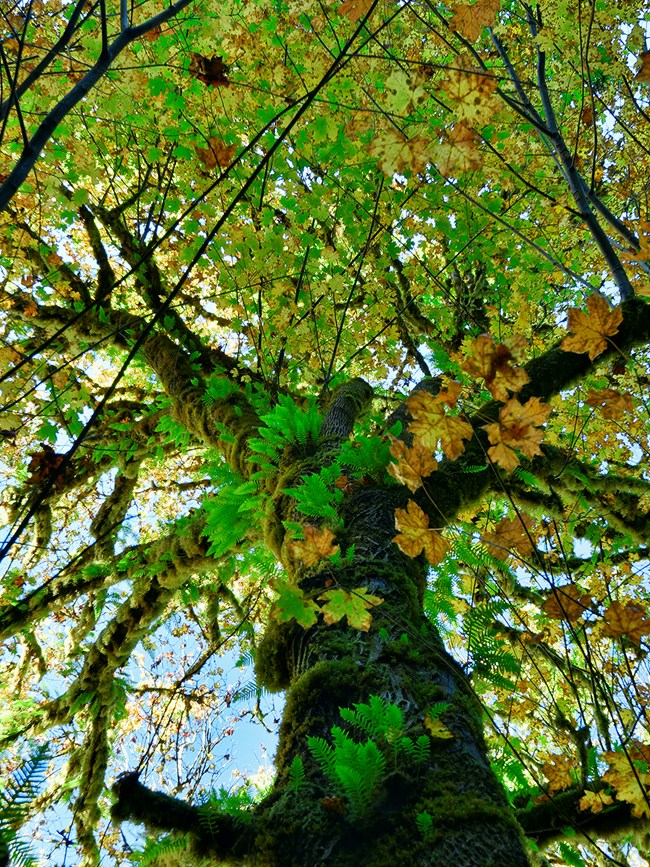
(402, 660)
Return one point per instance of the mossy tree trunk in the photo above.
(401, 660)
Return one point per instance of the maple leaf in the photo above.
(629, 620)
(210, 70)
(629, 777)
(518, 427)
(404, 90)
(437, 729)
(316, 546)
(459, 153)
(558, 773)
(610, 402)
(510, 533)
(354, 10)
(292, 604)
(491, 361)
(469, 21)
(472, 95)
(431, 425)
(415, 535)
(643, 253)
(595, 801)
(567, 603)
(398, 154)
(216, 153)
(591, 329)
(644, 73)
(413, 464)
(355, 606)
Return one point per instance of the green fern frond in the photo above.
(425, 824)
(230, 515)
(156, 848)
(378, 719)
(296, 774)
(16, 798)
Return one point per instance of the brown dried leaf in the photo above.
(210, 70)
(567, 603)
(644, 73)
(397, 154)
(354, 10)
(610, 402)
(216, 153)
(491, 361)
(459, 153)
(511, 533)
(469, 21)
(558, 773)
(629, 620)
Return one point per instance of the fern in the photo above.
(366, 456)
(286, 424)
(315, 495)
(296, 774)
(230, 515)
(155, 849)
(425, 824)
(16, 798)
(378, 719)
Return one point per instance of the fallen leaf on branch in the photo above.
(518, 428)
(492, 362)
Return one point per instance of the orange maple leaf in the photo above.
(610, 402)
(354, 10)
(415, 535)
(491, 361)
(644, 73)
(567, 603)
(469, 21)
(510, 533)
(316, 546)
(629, 620)
(412, 463)
(432, 425)
(518, 427)
(459, 152)
(210, 70)
(591, 329)
(216, 153)
(643, 253)
(595, 801)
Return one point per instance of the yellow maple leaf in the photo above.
(643, 253)
(469, 21)
(415, 535)
(629, 620)
(432, 425)
(472, 96)
(316, 546)
(610, 402)
(517, 428)
(627, 776)
(595, 801)
(413, 464)
(459, 152)
(491, 361)
(591, 329)
(437, 729)
(557, 771)
(397, 154)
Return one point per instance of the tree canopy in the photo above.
(261, 260)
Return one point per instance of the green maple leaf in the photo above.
(291, 604)
(354, 605)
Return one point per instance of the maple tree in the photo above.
(325, 342)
